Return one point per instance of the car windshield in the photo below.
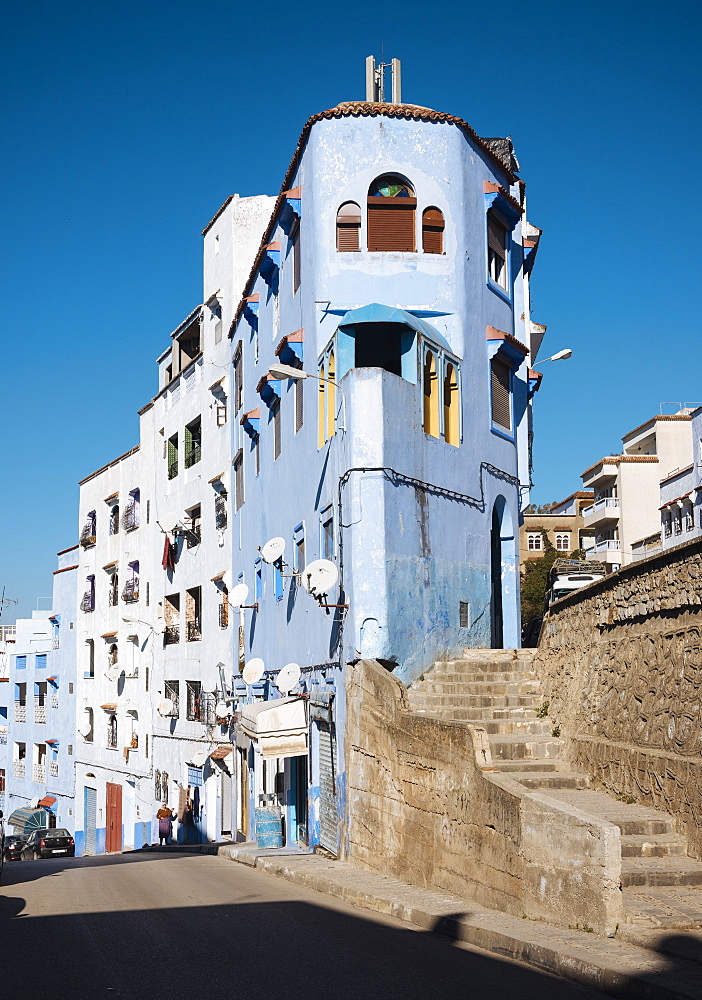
(57, 833)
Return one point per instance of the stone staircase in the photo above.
(499, 691)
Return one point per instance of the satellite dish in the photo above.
(168, 521)
(238, 595)
(199, 758)
(165, 707)
(319, 577)
(253, 671)
(273, 550)
(85, 729)
(287, 678)
(222, 710)
(113, 672)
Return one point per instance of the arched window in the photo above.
(114, 520)
(450, 405)
(331, 396)
(348, 227)
(112, 655)
(431, 396)
(563, 542)
(432, 231)
(113, 598)
(112, 732)
(391, 208)
(321, 435)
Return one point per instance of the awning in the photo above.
(48, 801)
(220, 753)
(110, 707)
(25, 820)
(377, 313)
(278, 728)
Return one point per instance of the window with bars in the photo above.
(535, 541)
(171, 692)
(172, 456)
(348, 227)
(193, 443)
(193, 690)
(220, 508)
(193, 614)
(112, 732)
(113, 594)
(113, 520)
(563, 542)
(391, 214)
(194, 532)
(238, 378)
(239, 479)
(497, 232)
(432, 231)
(500, 374)
(275, 412)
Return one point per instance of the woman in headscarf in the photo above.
(165, 823)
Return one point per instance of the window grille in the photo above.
(299, 404)
(194, 701)
(501, 403)
(276, 428)
(112, 732)
(171, 691)
(220, 508)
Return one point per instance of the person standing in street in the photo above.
(165, 824)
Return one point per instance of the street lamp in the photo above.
(279, 372)
(560, 356)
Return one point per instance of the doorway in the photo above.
(90, 819)
(504, 579)
(298, 798)
(496, 619)
(113, 832)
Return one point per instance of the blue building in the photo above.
(381, 407)
(37, 706)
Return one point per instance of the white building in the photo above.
(153, 631)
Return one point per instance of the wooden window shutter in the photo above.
(497, 235)
(276, 429)
(239, 478)
(348, 227)
(299, 397)
(391, 223)
(501, 409)
(432, 231)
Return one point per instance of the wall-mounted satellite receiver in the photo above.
(113, 672)
(165, 707)
(319, 577)
(238, 595)
(253, 671)
(273, 550)
(85, 728)
(222, 710)
(168, 521)
(199, 758)
(287, 678)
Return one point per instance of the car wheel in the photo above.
(37, 856)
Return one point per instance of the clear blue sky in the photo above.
(125, 125)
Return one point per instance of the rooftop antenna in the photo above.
(6, 600)
(375, 80)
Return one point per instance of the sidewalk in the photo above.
(671, 967)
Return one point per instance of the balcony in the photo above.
(171, 634)
(130, 517)
(20, 711)
(39, 773)
(53, 769)
(130, 594)
(606, 509)
(39, 711)
(173, 469)
(193, 632)
(88, 601)
(193, 456)
(87, 535)
(18, 768)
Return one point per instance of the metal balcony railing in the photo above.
(53, 769)
(131, 590)
(39, 772)
(223, 615)
(3, 739)
(220, 511)
(87, 535)
(88, 602)
(130, 517)
(54, 701)
(171, 634)
(193, 632)
(193, 456)
(607, 506)
(55, 641)
(193, 536)
(20, 711)
(39, 711)
(172, 469)
(18, 768)
(113, 597)
(607, 543)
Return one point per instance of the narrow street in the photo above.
(180, 925)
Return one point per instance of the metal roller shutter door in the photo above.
(328, 816)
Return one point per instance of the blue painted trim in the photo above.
(497, 289)
(496, 429)
(493, 199)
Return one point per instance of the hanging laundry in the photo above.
(168, 561)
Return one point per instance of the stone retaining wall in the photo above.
(425, 806)
(621, 664)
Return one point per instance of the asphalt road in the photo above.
(182, 926)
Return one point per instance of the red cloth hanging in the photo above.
(168, 562)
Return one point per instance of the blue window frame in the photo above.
(278, 582)
(326, 533)
(258, 578)
(40, 661)
(21, 662)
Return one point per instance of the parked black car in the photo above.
(49, 844)
(13, 847)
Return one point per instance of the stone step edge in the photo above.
(612, 966)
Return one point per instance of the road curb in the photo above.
(611, 966)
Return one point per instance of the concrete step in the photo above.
(498, 654)
(565, 779)
(516, 747)
(528, 727)
(661, 871)
(543, 767)
(650, 909)
(478, 687)
(516, 714)
(631, 819)
(482, 701)
(436, 680)
(663, 845)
